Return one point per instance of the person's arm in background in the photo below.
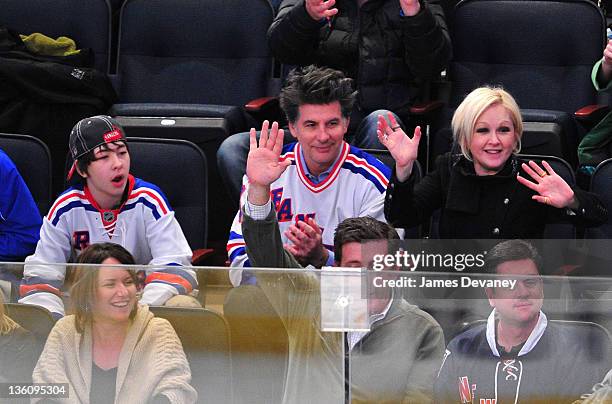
(425, 36)
(602, 71)
(263, 168)
(169, 248)
(263, 242)
(428, 339)
(602, 392)
(20, 220)
(42, 282)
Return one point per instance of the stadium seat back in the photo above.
(35, 319)
(536, 50)
(33, 161)
(259, 345)
(194, 51)
(204, 335)
(179, 168)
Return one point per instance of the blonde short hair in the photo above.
(6, 323)
(472, 107)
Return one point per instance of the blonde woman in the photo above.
(485, 191)
(113, 350)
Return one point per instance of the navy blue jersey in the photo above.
(557, 363)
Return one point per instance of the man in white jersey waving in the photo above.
(107, 204)
(325, 181)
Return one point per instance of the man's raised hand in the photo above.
(410, 7)
(263, 165)
(319, 9)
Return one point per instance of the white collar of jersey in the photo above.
(333, 171)
(531, 342)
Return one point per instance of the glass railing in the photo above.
(416, 333)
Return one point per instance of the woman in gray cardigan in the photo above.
(113, 350)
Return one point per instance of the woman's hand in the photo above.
(551, 188)
(403, 149)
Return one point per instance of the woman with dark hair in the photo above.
(113, 350)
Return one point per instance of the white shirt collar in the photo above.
(531, 342)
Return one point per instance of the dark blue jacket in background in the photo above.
(20, 219)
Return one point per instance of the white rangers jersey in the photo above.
(355, 187)
(144, 224)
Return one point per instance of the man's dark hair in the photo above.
(319, 86)
(511, 250)
(360, 229)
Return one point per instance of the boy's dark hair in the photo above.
(360, 229)
(511, 250)
(87, 135)
(319, 86)
(85, 160)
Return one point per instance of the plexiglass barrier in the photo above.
(427, 322)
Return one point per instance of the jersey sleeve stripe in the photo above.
(152, 194)
(66, 208)
(62, 199)
(67, 202)
(178, 269)
(287, 156)
(236, 252)
(147, 203)
(178, 281)
(363, 163)
(27, 290)
(235, 236)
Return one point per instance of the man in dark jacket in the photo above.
(518, 356)
(391, 48)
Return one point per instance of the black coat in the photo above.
(388, 55)
(485, 207)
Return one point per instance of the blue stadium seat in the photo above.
(536, 50)
(205, 337)
(162, 162)
(212, 54)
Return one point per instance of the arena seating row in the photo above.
(161, 161)
(184, 69)
(234, 355)
(189, 75)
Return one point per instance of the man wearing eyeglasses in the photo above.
(518, 355)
